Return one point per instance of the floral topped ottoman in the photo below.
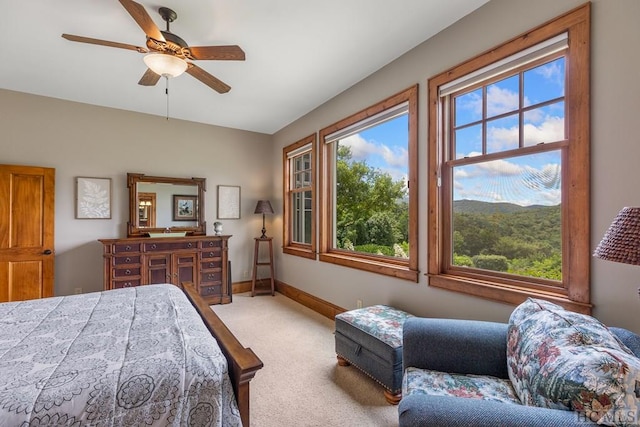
(370, 338)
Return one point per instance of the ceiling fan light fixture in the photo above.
(165, 65)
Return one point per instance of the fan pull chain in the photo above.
(166, 91)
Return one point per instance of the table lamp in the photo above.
(621, 242)
(263, 207)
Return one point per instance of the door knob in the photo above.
(47, 252)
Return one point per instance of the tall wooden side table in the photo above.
(257, 263)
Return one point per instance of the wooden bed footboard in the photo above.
(243, 362)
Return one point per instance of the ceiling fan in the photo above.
(167, 54)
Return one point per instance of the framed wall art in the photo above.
(228, 202)
(185, 208)
(93, 198)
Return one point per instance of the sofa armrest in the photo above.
(628, 338)
(456, 346)
(421, 410)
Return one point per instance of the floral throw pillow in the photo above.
(565, 360)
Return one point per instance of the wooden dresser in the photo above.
(137, 261)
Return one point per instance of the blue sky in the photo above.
(526, 180)
(383, 147)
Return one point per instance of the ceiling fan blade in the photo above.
(89, 40)
(149, 78)
(140, 15)
(207, 79)
(232, 53)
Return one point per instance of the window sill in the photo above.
(504, 293)
(301, 252)
(375, 266)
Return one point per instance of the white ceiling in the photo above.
(299, 53)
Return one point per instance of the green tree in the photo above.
(382, 229)
(363, 193)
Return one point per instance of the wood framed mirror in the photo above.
(158, 204)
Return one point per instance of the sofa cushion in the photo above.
(565, 360)
(435, 383)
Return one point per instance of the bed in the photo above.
(136, 356)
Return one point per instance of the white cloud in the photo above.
(395, 160)
(498, 168)
(501, 138)
(551, 130)
(504, 181)
(361, 149)
(471, 102)
(551, 72)
(460, 173)
(501, 100)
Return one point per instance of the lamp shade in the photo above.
(165, 65)
(264, 207)
(621, 242)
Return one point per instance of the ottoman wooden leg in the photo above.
(394, 399)
(342, 361)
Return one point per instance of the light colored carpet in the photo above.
(301, 383)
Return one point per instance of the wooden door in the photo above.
(26, 232)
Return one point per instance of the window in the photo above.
(299, 202)
(369, 194)
(509, 169)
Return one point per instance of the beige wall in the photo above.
(615, 154)
(83, 140)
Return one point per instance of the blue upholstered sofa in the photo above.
(480, 348)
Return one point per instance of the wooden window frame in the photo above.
(575, 287)
(289, 246)
(400, 268)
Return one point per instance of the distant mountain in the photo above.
(479, 207)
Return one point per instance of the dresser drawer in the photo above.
(120, 248)
(119, 284)
(168, 246)
(211, 244)
(129, 259)
(215, 253)
(207, 264)
(126, 272)
(211, 277)
(207, 291)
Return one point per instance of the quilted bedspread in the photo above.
(128, 357)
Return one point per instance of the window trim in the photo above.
(407, 270)
(289, 247)
(574, 293)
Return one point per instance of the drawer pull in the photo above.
(211, 254)
(212, 264)
(189, 244)
(127, 272)
(210, 243)
(127, 285)
(127, 248)
(153, 246)
(210, 276)
(128, 260)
